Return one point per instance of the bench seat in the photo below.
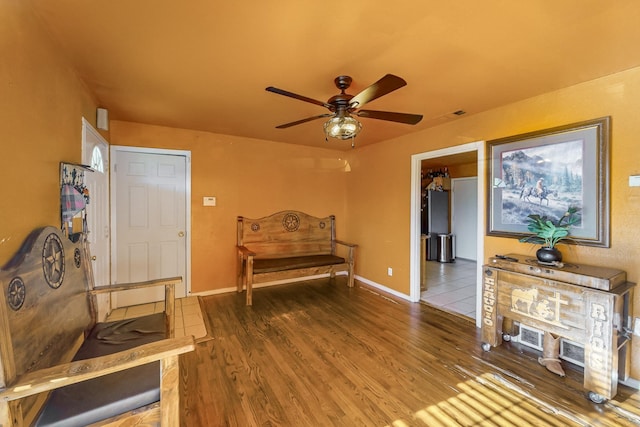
(101, 398)
(268, 265)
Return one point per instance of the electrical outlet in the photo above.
(390, 271)
(208, 201)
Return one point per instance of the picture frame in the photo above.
(544, 172)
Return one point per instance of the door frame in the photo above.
(416, 190)
(145, 150)
(88, 131)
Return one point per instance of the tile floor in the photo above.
(189, 319)
(452, 286)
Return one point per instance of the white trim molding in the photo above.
(416, 166)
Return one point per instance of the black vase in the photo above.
(548, 255)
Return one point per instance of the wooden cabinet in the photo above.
(585, 304)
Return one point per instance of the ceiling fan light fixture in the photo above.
(342, 127)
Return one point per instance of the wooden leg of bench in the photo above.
(351, 261)
(249, 279)
(170, 392)
(249, 292)
(240, 272)
(5, 416)
(11, 414)
(170, 310)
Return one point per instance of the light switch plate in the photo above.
(208, 201)
(634, 181)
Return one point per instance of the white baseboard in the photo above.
(631, 382)
(214, 292)
(298, 279)
(383, 288)
(267, 284)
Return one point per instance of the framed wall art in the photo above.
(545, 172)
(74, 197)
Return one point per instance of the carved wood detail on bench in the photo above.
(289, 245)
(51, 345)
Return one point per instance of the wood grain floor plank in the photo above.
(318, 353)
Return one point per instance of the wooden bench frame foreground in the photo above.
(289, 245)
(45, 317)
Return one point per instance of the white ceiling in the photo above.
(205, 64)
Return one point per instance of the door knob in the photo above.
(181, 234)
(93, 258)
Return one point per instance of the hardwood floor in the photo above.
(321, 354)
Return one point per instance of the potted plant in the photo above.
(549, 233)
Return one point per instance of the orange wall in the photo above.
(43, 100)
(379, 185)
(248, 177)
(41, 107)
(464, 170)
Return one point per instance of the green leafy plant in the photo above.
(549, 233)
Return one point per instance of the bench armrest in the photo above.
(74, 372)
(170, 281)
(245, 252)
(351, 245)
(169, 296)
(351, 248)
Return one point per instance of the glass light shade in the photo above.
(344, 127)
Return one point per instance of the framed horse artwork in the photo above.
(544, 173)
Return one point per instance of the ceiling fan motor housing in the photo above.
(343, 82)
(340, 102)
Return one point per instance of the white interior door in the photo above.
(95, 153)
(464, 219)
(149, 193)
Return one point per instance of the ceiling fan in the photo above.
(343, 106)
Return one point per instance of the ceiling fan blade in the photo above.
(296, 96)
(409, 119)
(385, 85)
(298, 122)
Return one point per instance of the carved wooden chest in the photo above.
(585, 304)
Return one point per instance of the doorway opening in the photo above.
(439, 271)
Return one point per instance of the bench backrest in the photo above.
(44, 307)
(287, 233)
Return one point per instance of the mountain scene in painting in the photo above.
(542, 180)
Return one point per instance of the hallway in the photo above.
(451, 286)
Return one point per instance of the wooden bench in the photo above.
(287, 245)
(58, 366)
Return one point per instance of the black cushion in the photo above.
(293, 263)
(97, 399)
